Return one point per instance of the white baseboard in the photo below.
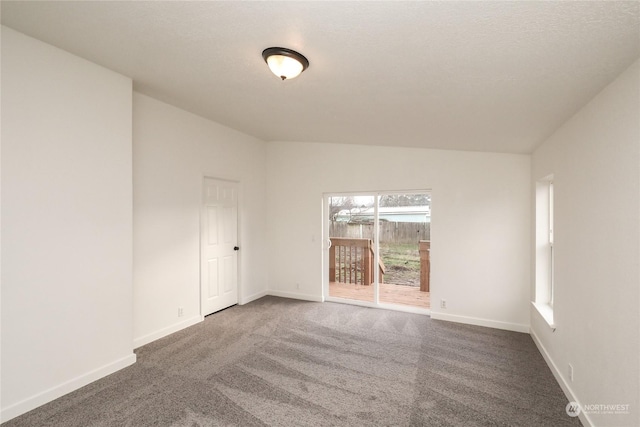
(66, 387)
(586, 421)
(292, 295)
(247, 300)
(146, 339)
(515, 327)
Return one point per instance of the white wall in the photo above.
(172, 152)
(66, 223)
(480, 221)
(595, 159)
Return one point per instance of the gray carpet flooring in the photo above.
(283, 362)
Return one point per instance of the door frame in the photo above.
(326, 244)
(200, 230)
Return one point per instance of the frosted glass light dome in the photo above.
(285, 63)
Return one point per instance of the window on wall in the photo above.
(544, 272)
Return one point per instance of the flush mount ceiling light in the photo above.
(285, 63)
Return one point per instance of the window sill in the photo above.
(546, 311)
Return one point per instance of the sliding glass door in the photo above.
(351, 255)
(379, 248)
(405, 238)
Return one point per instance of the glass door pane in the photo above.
(405, 240)
(351, 256)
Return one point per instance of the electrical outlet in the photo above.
(297, 285)
(180, 311)
(443, 303)
(570, 372)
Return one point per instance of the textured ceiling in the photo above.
(481, 76)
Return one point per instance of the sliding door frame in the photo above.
(326, 244)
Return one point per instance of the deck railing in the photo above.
(352, 261)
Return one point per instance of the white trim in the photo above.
(66, 387)
(586, 421)
(359, 303)
(515, 327)
(405, 308)
(293, 295)
(376, 194)
(146, 339)
(546, 312)
(247, 300)
(382, 306)
(377, 257)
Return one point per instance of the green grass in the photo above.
(402, 262)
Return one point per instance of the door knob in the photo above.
(235, 248)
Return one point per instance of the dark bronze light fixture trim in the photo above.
(279, 61)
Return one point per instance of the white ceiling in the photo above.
(481, 76)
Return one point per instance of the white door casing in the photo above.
(219, 241)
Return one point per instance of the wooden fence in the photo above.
(390, 232)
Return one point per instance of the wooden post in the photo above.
(332, 263)
(366, 252)
(425, 265)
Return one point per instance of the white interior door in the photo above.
(219, 241)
